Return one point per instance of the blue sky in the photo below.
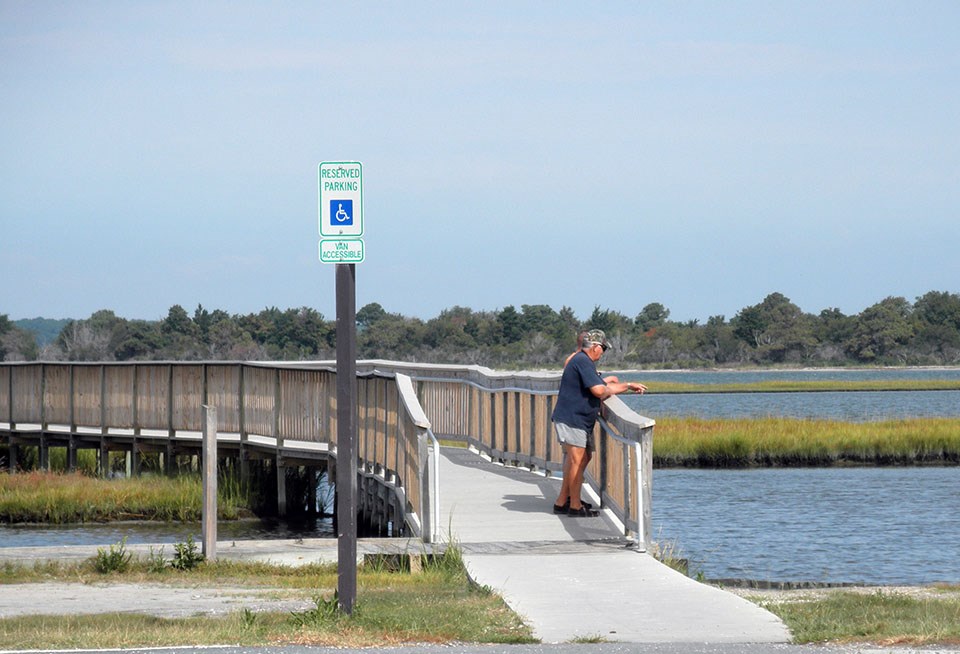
(697, 154)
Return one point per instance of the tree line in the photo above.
(775, 331)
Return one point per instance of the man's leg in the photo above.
(584, 462)
(575, 456)
(564, 495)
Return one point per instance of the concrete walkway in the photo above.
(573, 578)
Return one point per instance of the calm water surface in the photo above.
(159, 532)
(862, 525)
(856, 406)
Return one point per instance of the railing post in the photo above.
(43, 398)
(532, 424)
(548, 455)
(135, 399)
(645, 487)
(209, 481)
(72, 404)
(517, 427)
(429, 486)
(103, 399)
(244, 435)
(71, 444)
(10, 397)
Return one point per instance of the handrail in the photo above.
(506, 415)
(403, 408)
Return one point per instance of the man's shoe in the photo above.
(563, 508)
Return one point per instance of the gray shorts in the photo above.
(573, 436)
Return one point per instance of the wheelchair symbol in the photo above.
(341, 212)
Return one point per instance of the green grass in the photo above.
(883, 617)
(740, 442)
(436, 605)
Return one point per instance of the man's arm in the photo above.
(603, 391)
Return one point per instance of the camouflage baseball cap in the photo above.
(596, 337)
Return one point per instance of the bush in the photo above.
(186, 555)
(116, 559)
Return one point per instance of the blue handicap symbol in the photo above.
(341, 212)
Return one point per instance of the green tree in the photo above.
(880, 330)
(717, 341)
(651, 316)
(142, 340)
(369, 314)
(832, 326)
(179, 322)
(608, 320)
(938, 308)
(511, 325)
(777, 328)
(447, 332)
(299, 334)
(202, 319)
(392, 337)
(937, 323)
(96, 338)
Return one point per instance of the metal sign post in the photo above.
(346, 436)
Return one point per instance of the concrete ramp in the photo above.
(578, 578)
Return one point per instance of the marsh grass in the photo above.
(775, 441)
(670, 554)
(437, 605)
(61, 498)
(882, 617)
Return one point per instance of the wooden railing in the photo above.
(289, 409)
(507, 417)
(291, 406)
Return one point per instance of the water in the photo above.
(812, 374)
(159, 532)
(856, 406)
(841, 525)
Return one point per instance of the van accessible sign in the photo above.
(341, 212)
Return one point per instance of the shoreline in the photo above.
(807, 594)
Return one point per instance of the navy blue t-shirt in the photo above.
(576, 405)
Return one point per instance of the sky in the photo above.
(701, 155)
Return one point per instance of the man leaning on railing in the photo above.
(582, 389)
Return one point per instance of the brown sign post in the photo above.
(346, 437)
